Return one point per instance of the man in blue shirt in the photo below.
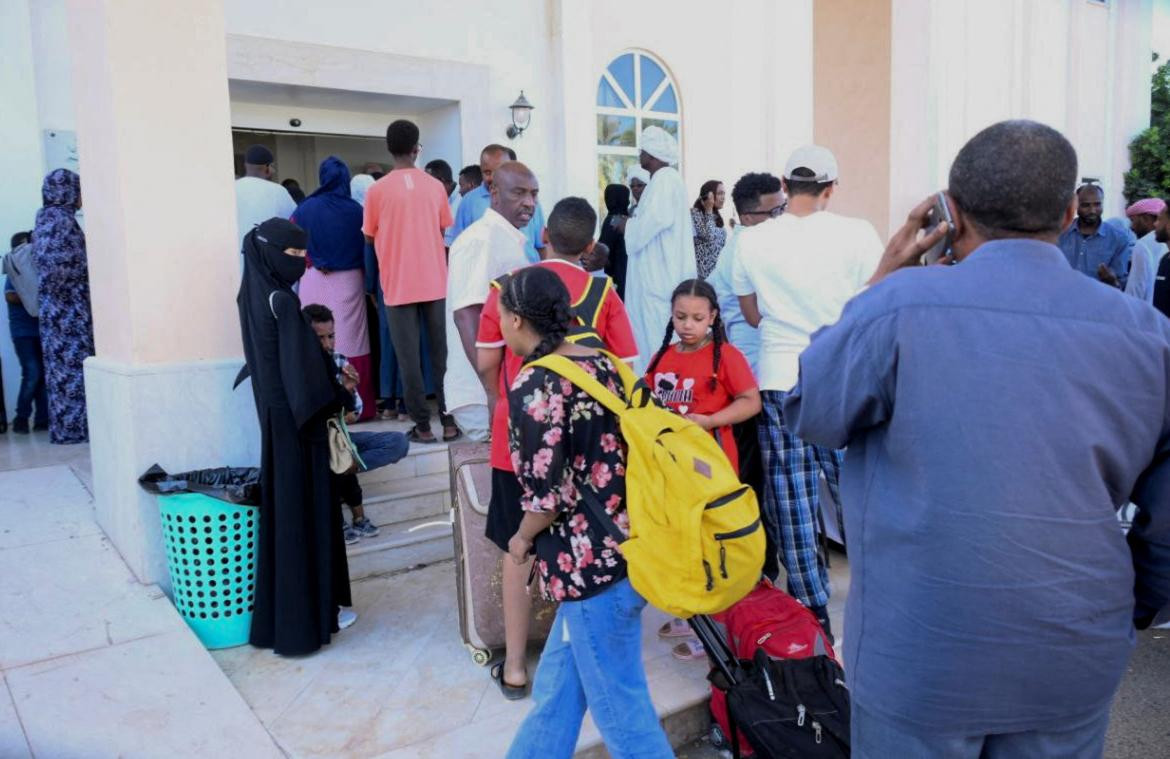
(993, 598)
(25, 330)
(476, 202)
(1094, 248)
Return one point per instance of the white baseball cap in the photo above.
(820, 161)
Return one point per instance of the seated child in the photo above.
(376, 449)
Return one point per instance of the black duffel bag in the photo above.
(796, 708)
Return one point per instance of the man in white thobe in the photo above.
(259, 197)
(1147, 251)
(659, 242)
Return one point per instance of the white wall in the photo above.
(20, 156)
(1080, 67)
(510, 40)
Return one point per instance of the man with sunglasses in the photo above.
(793, 275)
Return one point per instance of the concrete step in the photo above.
(422, 460)
(403, 545)
(402, 500)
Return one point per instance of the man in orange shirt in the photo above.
(405, 215)
(568, 236)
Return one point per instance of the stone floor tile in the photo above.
(12, 742)
(73, 595)
(42, 505)
(158, 696)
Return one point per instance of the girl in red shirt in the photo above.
(707, 380)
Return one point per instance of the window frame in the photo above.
(639, 109)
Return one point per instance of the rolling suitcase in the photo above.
(478, 560)
(785, 708)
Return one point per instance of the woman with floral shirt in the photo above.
(564, 442)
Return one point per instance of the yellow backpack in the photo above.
(696, 545)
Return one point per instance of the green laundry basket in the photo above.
(211, 550)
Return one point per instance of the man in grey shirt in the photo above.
(994, 597)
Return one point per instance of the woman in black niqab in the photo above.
(617, 206)
(301, 573)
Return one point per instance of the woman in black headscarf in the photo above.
(617, 206)
(301, 575)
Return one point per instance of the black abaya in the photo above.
(301, 575)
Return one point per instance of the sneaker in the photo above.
(351, 535)
(364, 527)
(41, 427)
(20, 426)
(346, 618)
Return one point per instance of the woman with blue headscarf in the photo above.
(66, 319)
(335, 278)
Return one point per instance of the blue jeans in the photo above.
(593, 658)
(378, 449)
(32, 380)
(873, 737)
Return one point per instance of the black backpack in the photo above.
(796, 708)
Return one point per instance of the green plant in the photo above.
(1149, 152)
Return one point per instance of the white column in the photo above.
(150, 88)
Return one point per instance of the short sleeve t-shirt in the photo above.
(682, 381)
(406, 212)
(613, 327)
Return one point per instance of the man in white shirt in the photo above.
(1147, 251)
(489, 248)
(660, 243)
(258, 196)
(793, 275)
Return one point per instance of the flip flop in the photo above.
(689, 650)
(414, 436)
(451, 433)
(511, 692)
(675, 628)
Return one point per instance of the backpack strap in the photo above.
(587, 310)
(579, 377)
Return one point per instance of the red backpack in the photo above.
(770, 619)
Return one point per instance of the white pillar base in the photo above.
(181, 416)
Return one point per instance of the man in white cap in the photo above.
(1147, 251)
(659, 242)
(637, 178)
(793, 275)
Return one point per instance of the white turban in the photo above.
(637, 172)
(657, 142)
(358, 186)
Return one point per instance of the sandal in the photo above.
(689, 650)
(511, 692)
(451, 430)
(415, 436)
(676, 628)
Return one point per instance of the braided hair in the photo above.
(541, 298)
(701, 289)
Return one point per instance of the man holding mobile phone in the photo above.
(993, 597)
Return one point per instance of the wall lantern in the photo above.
(521, 116)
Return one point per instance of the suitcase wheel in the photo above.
(481, 656)
(718, 739)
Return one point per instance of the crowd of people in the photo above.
(965, 416)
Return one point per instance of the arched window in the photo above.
(634, 92)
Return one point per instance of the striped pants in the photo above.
(792, 500)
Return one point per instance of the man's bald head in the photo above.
(490, 159)
(514, 190)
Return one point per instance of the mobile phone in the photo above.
(939, 212)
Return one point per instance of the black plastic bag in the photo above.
(234, 485)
